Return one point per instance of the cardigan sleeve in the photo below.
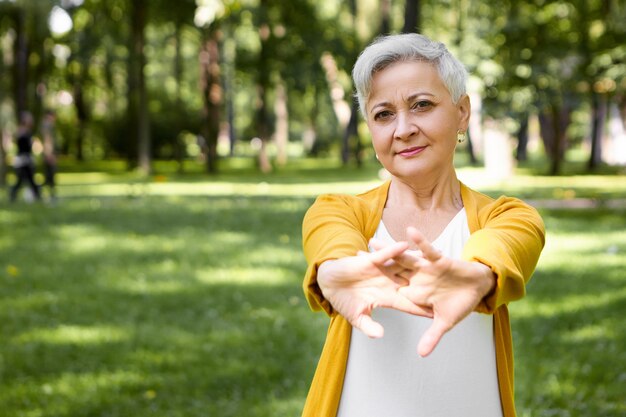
(509, 241)
(332, 228)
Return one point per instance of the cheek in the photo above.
(381, 139)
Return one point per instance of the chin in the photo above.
(408, 173)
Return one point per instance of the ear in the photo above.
(465, 110)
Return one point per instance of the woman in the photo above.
(445, 260)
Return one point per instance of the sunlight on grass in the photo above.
(590, 333)
(32, 301)
(609, 246)
(68, 393)
(215, 188)
(567, 304)
(272, 255)
(244, 276)
(180, 296)
(80, 335)
(223, 238)
(86, 178)
(529, 186)
(480, 179)
(82, 238)
(143, 286)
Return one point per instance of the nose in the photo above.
(405, 126)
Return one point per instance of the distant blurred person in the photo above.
(23, 162)
(49, 152)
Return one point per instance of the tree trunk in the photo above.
(179, 146)
(351, 133)
(20, 66)
(138, 99)
(470, 148)
(262, 125)
(309, 136)
(212, 94)
(262, 129)
(412, 17)
(81, 115)
(598, 115)
(553, 126)
(228, 81)
(559, 140)
(281, 136)
(4, 140)
(521, 154)
(385, 12)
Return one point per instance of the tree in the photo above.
(547, 60)
(211, 92)
(412, 17)
(139, 123)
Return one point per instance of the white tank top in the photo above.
(387, 378)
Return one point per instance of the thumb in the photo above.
(368, 326)
(430, 339)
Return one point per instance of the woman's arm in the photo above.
(343, 277)
(509, 241)
(330, 230)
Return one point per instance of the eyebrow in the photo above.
(409, 98)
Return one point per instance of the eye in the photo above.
(422, 105)
(383, 115)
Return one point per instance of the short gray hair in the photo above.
(387, 50)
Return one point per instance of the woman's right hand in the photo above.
(356, 285)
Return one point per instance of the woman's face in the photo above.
(413, 120)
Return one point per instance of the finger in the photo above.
(431, 338)
(399, 275)
(398, 279)
(428, 251)
(377, 244)
(369, 327)
(410, 261)
(406, 260)
(380, 257)
(403, 304)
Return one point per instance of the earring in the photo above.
(460, 136)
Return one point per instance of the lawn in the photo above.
(179, 295)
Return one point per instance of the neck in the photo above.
(442, 193)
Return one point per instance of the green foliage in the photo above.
(524, 56)
(551, 52)
(175, 296)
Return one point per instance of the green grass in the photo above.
(178, 295)
(569, 331)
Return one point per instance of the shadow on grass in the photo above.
(191, 306)
(156, 307)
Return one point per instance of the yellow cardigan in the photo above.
(506, 234)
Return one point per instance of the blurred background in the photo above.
(159, 80)
(161, 274)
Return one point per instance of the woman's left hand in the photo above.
(452, 288)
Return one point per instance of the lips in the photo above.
(412, 151)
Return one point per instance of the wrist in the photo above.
(486, 279)
(324, 276)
